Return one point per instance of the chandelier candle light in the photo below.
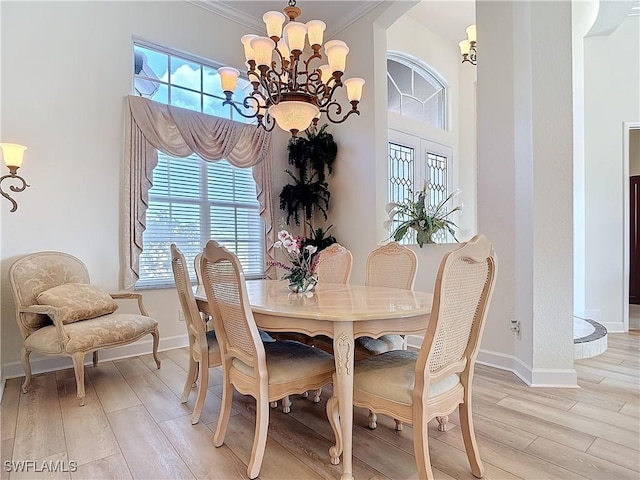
(287, 89)
(468, 46)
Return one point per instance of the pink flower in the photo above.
(283, 235)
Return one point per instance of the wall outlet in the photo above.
(515, 327)
(180, 315)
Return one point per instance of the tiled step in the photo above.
(589, 338)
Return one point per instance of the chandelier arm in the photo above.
(328, 97)
(267, 122)
(338, 111)
(13, 188)
(308, 60)
(246, 104)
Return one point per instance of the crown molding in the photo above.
(257, 25)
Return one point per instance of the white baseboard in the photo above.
(533, 377)
(613, 327)
(42, 364)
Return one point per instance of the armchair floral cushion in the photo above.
(77, 301)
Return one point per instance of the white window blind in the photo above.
(193, 201)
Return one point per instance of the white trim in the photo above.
(616, 327)
(627, 126)
(256, 24)
(533, 377)
(554, 378)
(41, 364)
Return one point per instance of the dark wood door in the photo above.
(634, 244)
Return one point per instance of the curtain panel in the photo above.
(151, 127)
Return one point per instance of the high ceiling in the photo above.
(447, 18)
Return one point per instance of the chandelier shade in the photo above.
(292, 88)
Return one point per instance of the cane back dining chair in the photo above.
(204, 351)
(334, 264)
(60, 313)
(394, 266)
(415, 387)
(266, 371)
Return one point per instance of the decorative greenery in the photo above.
(414, 213)
(303, 259)
(319, 238)
(313, 157)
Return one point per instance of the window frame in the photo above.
(205, 204)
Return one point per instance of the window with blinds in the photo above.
(193, 201)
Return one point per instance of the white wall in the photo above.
(525, 183)
(66, 69)
(612, 96)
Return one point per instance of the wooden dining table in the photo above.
(342, 312)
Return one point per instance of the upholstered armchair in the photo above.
(59, 313)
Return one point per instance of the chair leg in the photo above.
(399, 425)
(26, 364)
(202, 391)
(225, 411)
(273, 404)
(78, 367)
(469, 438)
(286, 404)
(421, 443)
(442, 423)
(317, 394)
(373, 420)
(333, 414)
(95, 358)
(156, 342)
(259, 438)
(190, 382)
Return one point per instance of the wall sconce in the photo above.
(13, 155)
(468, 46)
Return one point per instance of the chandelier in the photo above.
(287, 89)
(468, 46)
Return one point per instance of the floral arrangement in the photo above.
(414, 213)
(303, 259)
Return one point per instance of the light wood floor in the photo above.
(133, 426)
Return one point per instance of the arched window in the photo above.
(414, 91)
(418, 93)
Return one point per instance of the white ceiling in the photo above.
(447, 18)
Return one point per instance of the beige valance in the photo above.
(152, 127)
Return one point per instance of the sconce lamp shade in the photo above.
(293, 116)
(465, 47)
(228, 78)
(13, 154)
(471, 33)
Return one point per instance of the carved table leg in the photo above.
(343, 348)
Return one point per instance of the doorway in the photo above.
(631, 291)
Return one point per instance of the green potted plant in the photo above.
(414, 214)
(313, 158)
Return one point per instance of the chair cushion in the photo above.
(78, 301)
(391, 375)
(288, 360)
(376, 346)
(93, 334)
